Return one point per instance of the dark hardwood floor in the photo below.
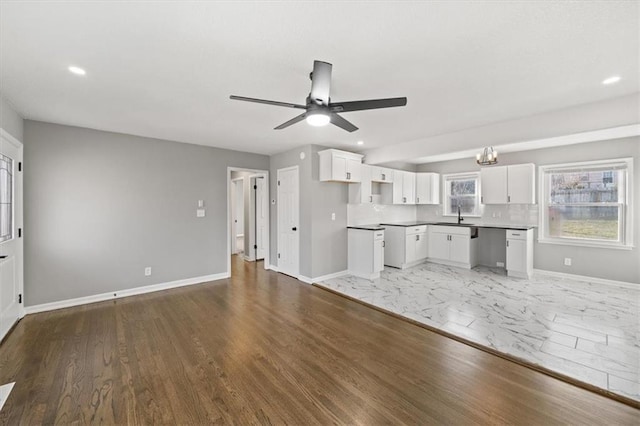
(264, 348)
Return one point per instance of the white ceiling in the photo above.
(166, 69)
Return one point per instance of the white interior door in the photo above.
(261, 217)
(288, 216)
(11, 259)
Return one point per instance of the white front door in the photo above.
(10, 229)
(288, 215)
(261, 217)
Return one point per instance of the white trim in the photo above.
(248, 259)
(257, 172)
(272, 267)
(459, 176)
(308, 280)
(609, 133)
(15, 142)
(624, 284)
(18, 220)
(626, 221)
(584, 243)
(5, 390)
(117, 294)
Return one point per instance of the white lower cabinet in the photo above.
(365, 252)
(519, 253)
(453, 245)
(406, 245)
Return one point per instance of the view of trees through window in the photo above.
(462, 192)
(6, 206)
(584, 204)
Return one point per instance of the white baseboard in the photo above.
(117, 294)
(589, 279)
(273, 268)
(308, 280)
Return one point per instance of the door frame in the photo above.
(255, 172)
(285, 169)
(18, 221)
(234, 212)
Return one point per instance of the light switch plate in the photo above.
(200, 213)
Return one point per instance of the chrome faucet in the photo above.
(460, 218)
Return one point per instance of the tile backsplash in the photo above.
(520, 214)
(368, 214)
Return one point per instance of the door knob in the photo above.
(3, 256)
(294, 229)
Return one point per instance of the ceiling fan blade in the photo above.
(294, 120)
(369, 104)
(342, 123)
(263, 101)
(320, 83)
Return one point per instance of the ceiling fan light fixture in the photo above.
(318, 119)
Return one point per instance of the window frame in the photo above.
(460, 176)
(625, 203)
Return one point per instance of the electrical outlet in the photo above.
(567, 261)
(147, 271)
(500, 264)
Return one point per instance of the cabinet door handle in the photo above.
(417, 199)
(482, 200)
(348, 175)
(404, 199)
(371, 198)
(384, 177)
(383, 243)
(507, 243)
(417, 237)
(508, 198)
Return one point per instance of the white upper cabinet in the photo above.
(408, 188)
(493, 184)
(381, 174)
(508, 184)
(521, 184)
(427, 188)
(362, 194)
(403, 189)
(340, 166)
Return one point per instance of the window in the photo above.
(6, 199)
(587, 203)
(461, 190)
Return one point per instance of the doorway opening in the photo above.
(248, 216)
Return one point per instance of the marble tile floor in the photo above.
(585, 330)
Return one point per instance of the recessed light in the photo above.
(611, 80)
(77, 70)
(360, 143)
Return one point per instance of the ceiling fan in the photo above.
(319, 110)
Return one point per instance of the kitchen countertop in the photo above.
(518, 227)
(367, 227)
(407, 224)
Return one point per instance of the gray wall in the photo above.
(101, 206)
(10, 120)
(323, 242)
(620, 265)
